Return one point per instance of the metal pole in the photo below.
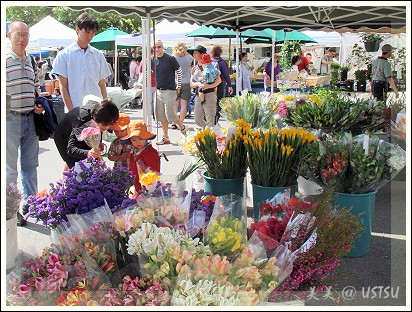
(237, 60)
(272, 78)
(115, 64)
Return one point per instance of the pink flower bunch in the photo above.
(87, 132)
(283, 109)
(136, 292)
(41, 279)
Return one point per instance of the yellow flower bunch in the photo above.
(256, 109)
(147, 179)
(226, 235)
(274, 155)
(314, 99)
(224, 157)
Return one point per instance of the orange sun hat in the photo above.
(137, 128)
(121, 123)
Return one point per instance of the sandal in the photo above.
(183, 131)
(174, 126)
(163, 141)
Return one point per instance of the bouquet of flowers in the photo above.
(13, 198)
(274, 155)
(398, 128)
(334, 112)
(163, 251)
(256, 109)
(71, 196)
(226, 230)
(224, 157)
(90, 133)
(317, 236)
(47, 280)
(287, 103)
(247, 280)
(371, 118)
(357, 165)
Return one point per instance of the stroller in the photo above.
(122, 98)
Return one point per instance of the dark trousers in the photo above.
(220, 94)
(379, 90)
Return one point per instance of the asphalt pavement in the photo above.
(377, 279)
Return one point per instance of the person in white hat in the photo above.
(382, 74)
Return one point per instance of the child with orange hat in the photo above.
(143, 156)
(209, 74)
(118, 151)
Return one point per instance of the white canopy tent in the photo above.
(50, 33)
(168, 32)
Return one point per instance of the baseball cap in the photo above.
(137, 128)
(387, 47)
(121, 123)
(199, 48)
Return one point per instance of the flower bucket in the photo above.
(220, 187)
(361, 86)
(371, 46)
(360, 203)
(349, 85)
(12, 254)
(263, 193)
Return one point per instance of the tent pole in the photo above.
(230, 53)
(272, 78)
(237, 58)
(115, 65)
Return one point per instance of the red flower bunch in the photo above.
(275, 219)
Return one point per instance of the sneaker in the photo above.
(174, 126)
(163, 141)
(20, 220)
(183, 131)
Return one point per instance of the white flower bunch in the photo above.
(156, 242)
(397, 160)
(204, 293)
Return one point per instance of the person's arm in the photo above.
(225, 72)
(117, 157)
(102, 85)
(64, 90)
(393, 86)
(324, 61)
(73, 149)
(179, 79)
(212, 85)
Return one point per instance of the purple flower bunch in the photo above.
(202, 201)
(69, 196)
(161, 190)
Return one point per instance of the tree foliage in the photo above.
(33, 14)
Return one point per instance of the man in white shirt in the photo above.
(82, 69)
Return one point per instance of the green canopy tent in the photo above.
(105, 40)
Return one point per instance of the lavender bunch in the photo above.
(13, 198)
(202, 201)
(69, 196)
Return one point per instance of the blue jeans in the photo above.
(21, 140)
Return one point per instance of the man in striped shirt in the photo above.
(21, 137)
